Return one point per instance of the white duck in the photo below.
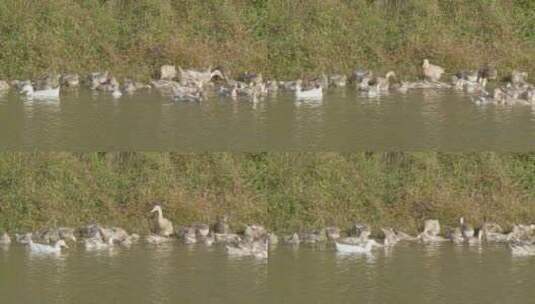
(522, 249)
(29, 91)
(365, 247)
(431, 71)
(42, 248)
(315, 93)
(155, 239)
(5, 239)
(257, 249)
(165, 226)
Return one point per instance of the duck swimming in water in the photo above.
(98, 244)
(29, 91)
(315, 93)
(47, 249)
(257, 249)
(165, 226)
(365, 247)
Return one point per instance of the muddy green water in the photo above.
(344, 121)
(409, 273)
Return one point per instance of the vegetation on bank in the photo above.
(281, 38)
(284, 191)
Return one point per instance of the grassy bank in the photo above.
(281, 38)
(282, 191)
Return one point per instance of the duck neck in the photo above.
(160, 214)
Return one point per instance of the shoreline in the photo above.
(397, 190)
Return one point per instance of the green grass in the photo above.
(284, 191)
(281, 38)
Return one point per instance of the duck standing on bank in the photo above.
(165, 226)
(432, 72)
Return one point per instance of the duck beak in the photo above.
(153, 210)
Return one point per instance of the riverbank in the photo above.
(283, 191)
(282, 39)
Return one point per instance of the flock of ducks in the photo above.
(255, 240)
(195, 85)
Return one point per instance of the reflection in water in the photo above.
(174, 273)
(344, 120)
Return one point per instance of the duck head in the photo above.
(426, 63)
(157, 208)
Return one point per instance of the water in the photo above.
(409, 273)
(344, 121)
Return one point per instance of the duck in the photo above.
(221, 226)
(466, 229)
(518, 77)
(359, 74)
(202, 230)
(29, 91)
(361, 234)
(431, 71)
(42, 248)
(165, 226)
(23, 238)
(188, 235)
(98, 244)
(402, 87)
(456, 235)
(168, 72)
(365, 247)
(338, 80)
(292, 239)
(383, 83)
(477, 239)
(257, 249)
(209, 240)
(522, 249)
(155, 239)
(200, 78)
(493, 232)
(97, 79)
(332, 233)
(5, 239)
(312, 237)
(4, 86)
(130, 86)
(391, 237)
(431, 232)
(70, 80)
(226, 238)
(315, 93)
(273, 239)
(188, 93)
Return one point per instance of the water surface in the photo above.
(409, 273)
(344, 121)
